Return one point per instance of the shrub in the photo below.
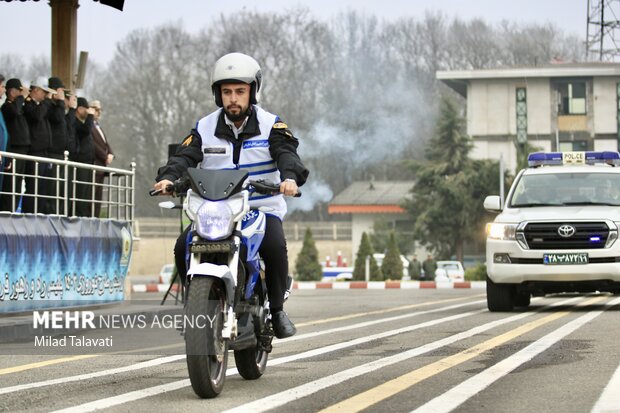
(392, 267)
(477, 273)
(359, 269)
(307, 266)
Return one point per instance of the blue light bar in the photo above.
(573, 158)
(544, 158)
(595, 239)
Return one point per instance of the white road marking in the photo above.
(80, 377)
(295, 393)
(163, 360)
(609, 402)
(141, 394)
(126, 398)
(379, 321)
(454, 397)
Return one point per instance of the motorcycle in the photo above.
(227, 306)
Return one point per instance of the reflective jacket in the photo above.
(265, 147)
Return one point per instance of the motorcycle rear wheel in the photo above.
(207, 351)
(251, 362)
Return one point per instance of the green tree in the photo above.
(365, 250)
(392, 267)
(383, 230)
(523, 151)
(307, 266)
(450, 187)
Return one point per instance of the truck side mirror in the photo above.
(492, 203)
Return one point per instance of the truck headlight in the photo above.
(500, 231)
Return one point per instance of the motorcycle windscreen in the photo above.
(216, 185)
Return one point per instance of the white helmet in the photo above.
(235, 68)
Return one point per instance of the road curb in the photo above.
(152, 288)
(347, 285)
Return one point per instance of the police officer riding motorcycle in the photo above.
(242, 136)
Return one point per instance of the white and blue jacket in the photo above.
(254, 156)
(265, 147)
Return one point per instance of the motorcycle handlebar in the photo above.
(268, 188)
(261, 186)
(155, 192)
(177, 187)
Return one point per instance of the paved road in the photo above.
(371, 350)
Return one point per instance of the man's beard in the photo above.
(238, 117)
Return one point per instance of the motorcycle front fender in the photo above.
(216, 271)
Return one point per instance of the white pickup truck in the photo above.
(558, 229)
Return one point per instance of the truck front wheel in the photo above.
(500, 297)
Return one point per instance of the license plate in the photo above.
(211, 247)
(571, 258)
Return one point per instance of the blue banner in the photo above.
(47, 260)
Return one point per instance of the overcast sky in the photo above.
(25, 26)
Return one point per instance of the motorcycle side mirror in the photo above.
(167, 205)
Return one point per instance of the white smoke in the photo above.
(313, 192)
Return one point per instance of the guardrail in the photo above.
(65, 188)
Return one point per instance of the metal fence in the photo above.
(65, 188)
(294, 230)
(324, 231)
(157, 227)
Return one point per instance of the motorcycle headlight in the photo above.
(214, 220)
(500, 231)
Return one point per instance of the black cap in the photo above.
(55, 83)
(13, 84)
(82, 102)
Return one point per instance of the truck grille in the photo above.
(545, 236)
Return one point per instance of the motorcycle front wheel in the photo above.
(207, 351)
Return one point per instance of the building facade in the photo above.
(370, 201)
(559, 107)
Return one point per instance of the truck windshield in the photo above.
(560, 189)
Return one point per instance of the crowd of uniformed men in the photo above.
(45, 120)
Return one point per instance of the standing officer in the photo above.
(429, 266)
(103, 153)
(237, 136)
(4, 135)
(85, 154)
(19, 140)
(60, 139)
(415, 268)
(36, 108)
(70, 119)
